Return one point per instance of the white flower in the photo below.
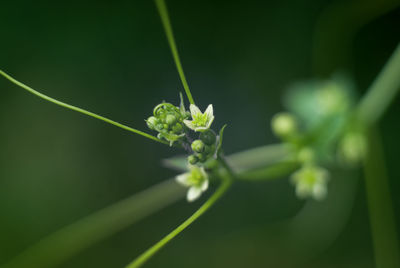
(197, 181)
(200, 121)
(311, 181)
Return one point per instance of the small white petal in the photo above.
(200, 129)
(302, 190)
(189, 124)
(194, 110)
(193, 193)
(183, 179)
(209, 111)
(209, 122)
(319, 191)
(204, 185)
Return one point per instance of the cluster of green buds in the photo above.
(203, 148)
(173, 124)
(167, 120)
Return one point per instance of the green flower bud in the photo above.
(165, 126)
(202, 157)
(209, 149)
(152, 122)
(159, 127)
(170, 119)
(306, 155)
(198, 146)
(284, 124)
(208, 137)
(177, 128)
(352, 148)
(192, 159)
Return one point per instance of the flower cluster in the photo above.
(203, 148)
(321, 128)
(174, 124)
(310, 180)
(167, 120)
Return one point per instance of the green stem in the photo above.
(258, 157)
(79, 110)
(382, 91)
(383, 226)
(273, 171)
(69, 241)
(139, 261)
(162, 9)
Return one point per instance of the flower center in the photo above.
(196, 177)
(200, 119)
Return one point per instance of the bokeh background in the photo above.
(112, 58)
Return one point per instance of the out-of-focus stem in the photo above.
(383, 226)
(382, 91)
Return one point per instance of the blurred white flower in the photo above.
(197, 181)
(311, 181)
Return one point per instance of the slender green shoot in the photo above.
(79, 110)
(381, 214)
(139, 261)
(382, 91)
(162, 10)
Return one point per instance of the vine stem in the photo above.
(163, 11)
(79, 110)
(139, 261)
(382, 220)
(382, 91)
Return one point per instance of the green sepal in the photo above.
(219, 141)
(182, 106)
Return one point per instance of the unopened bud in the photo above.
(198, 146)
(208, 137)
(192, 159)
(284, 124)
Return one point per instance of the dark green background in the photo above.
(112, 58)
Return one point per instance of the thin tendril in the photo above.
(162, 10)
(79, 110)
(139, 261)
